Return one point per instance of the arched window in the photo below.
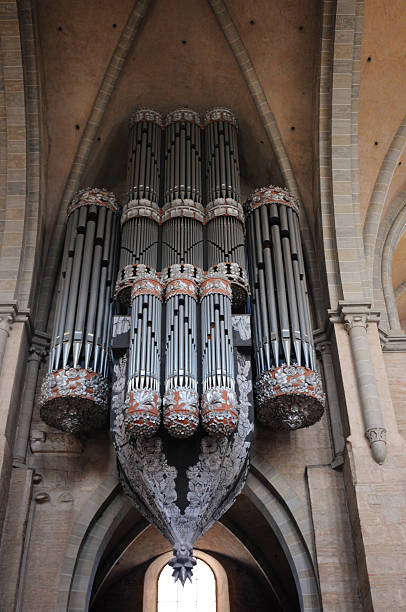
(207, 593)
(196, 596)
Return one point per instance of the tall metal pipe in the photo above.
(141, 215)
(289, 395)
(224, 213)
(219, 402)
(142, 408)
(181, 401)
(75, 398)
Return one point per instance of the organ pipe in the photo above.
(219, 402)
(75, 393)
(181, 401)
(224, 213)
(288, 389)
(142, 410)
(182, 262)
(141, 216)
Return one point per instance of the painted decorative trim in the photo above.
(219, 411)
(142, 412)
(75, 400)
(141, 208)
(126, 278)
(220, 114)
(182, 208)
(145, 114)
(271, 195)
(187, 271)
(182, 114)
(94, 196)
(289, 397)
(181, 286)
(181, 412)
(147, 286)
(215, 284)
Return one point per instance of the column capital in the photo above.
(354, 314)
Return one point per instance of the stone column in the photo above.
(323, 346)
(6, 319)
(37, 352)
(356, 326)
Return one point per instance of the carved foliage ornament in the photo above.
(75, 400)
(93, 196)
(271, 195)
(289, 397)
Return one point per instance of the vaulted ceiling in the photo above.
(180, 57)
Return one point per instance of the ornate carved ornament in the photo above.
(183, 208)
(75, 400)
(219, 411)
(271, 195)
(220, 114)
(147, 286)
(224, 207)
(215, 284)
(289, 397)
(145, 114)
(181, 286)
(141, 208)
(183, 114)
(188, 271)
(93, 196)
(181, 412)
(127, 277)
(142, 412)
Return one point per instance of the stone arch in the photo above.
(391, 242)
(152, 575)
(384, 248)
(378, 199)
(21, 157)
(108, 506)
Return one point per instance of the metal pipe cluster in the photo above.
(289, 392)
(181, 400)
(219, 402)
(142, 412)
(141, 216)
(224, 214)
(75, 393)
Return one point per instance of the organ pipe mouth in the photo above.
(271, 195)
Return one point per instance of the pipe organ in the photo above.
(224, 213)
(289, 392)
(75, 393)
(181, 280)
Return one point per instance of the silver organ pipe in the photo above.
(289, 392)
(224, 213)
(142, 410)
(182, 262)
(182, 213)
(181, 400)
(141, 215)
(219, 401)
(75, 393)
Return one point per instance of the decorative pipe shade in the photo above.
(289, 393)
(75, 393)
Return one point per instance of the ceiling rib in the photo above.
(104, 93)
